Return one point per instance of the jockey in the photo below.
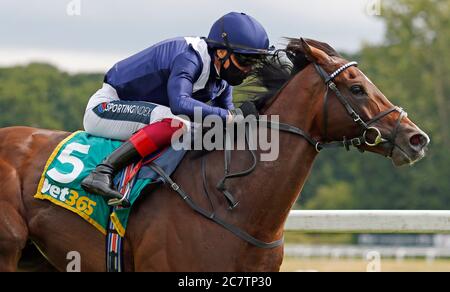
(142, 94)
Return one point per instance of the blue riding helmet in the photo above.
(239, 33)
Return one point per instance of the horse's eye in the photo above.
(357, 90)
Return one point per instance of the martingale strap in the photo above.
(212, 216)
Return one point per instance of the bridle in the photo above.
(366, 127)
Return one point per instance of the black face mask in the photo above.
(232, 75)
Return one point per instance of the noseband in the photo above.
(366, 127)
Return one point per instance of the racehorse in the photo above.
(322, 98)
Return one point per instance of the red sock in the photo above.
(155, 136)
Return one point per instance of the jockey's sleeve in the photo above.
(225, 99)
(186, 69)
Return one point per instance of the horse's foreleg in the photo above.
(13, 228)
(13, 237)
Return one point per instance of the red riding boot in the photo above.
(146, 141)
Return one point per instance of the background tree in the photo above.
(412, 67)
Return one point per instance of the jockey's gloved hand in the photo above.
(246, 109)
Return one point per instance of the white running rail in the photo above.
(376, 221)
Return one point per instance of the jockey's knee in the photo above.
(164, 126)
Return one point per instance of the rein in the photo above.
(212, 216)
(366, 128)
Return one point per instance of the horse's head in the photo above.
(355, 111)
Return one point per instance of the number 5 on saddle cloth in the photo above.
(75, 157)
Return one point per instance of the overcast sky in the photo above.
(96, 34)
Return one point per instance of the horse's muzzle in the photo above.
(410, 146)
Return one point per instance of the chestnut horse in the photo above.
(163, 233)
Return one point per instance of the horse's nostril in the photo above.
(418, 140)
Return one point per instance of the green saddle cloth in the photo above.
(71, 161)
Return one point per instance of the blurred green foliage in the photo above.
(412, 68)
(39, 95)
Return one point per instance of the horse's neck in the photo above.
(277, 184)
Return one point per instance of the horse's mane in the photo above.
(273, 72)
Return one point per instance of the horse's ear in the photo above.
(315, 55)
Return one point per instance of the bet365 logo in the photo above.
(69, 197)
(55, 191)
